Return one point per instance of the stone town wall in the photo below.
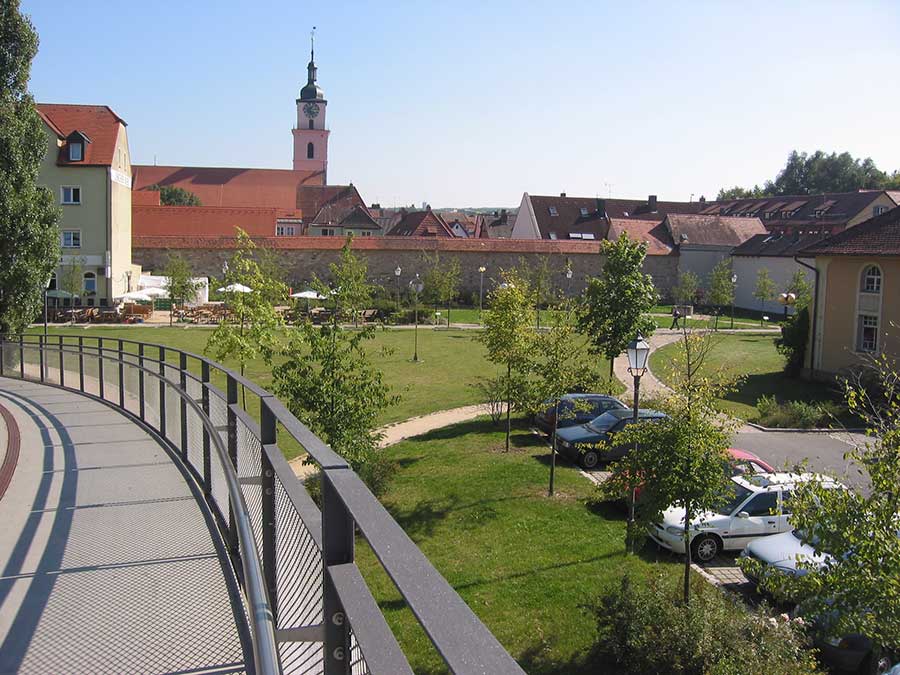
(305, 257)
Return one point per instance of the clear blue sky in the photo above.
(473, 103)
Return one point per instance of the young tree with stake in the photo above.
(721, 287)
(764, 290)
(180, 285)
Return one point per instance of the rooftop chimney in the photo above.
(651, 202)
(562, 194)
(702, 199)
(601, 207)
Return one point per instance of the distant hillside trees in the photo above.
(817, 173)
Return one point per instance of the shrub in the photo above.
(796, 414)
(792, 343)
(643, 627)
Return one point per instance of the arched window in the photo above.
(52, 285)
(871, 280)
(310, 151)
(90, 282)
(310, 124)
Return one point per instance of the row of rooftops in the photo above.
(261, 198)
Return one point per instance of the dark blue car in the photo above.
(576, 409)
(575, 442)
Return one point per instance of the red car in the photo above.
(742, 462)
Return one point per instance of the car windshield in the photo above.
(734, 497)
(604, 423)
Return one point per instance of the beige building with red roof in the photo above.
(87, 166)
(855, 312)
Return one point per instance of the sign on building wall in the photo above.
(120, 178)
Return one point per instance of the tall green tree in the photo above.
(180, 285)
(171, 195)
(29, 239)
(254, 334)
(351, 290)
(764, 291)
(508, 334)
(560, 364)
(441, 280)
(328, 381)
(71, 279)
(799, 285)
(856, 588)
(614, 307)
(685, 291)
(817, 173)
(721, 287)
(679, 459)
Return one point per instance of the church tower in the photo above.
(310, 134)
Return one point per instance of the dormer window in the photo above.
(76, 152)
(584, 212)
(553, 211)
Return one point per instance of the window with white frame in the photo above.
(871, 281)
(90, 282)
(327, 232)
(867, 333)
(284, 230)
(70, 194)
(76, 152)
(51, 286)
(553, 211)
(70, 238)
(878, 210)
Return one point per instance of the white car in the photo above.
(757, 507)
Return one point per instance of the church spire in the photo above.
(311, 92)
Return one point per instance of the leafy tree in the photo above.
(678, 459)
(799, 286)
(328, 381)
(256, 334)
(71, 279)
(817, 173)
(764, 290)
(856, 589)
(179, 282)
(685, 291)
(170, 195)
(721, 287)
(441, 280)
(507, 333)
(737, 192)
(560, 364)
(614, 306)
(351, 290)
(29, 239)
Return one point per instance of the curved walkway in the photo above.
(107, 563)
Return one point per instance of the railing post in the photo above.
(182, 382)
(337, 549)
(231, 396)
(162, 391)
(141, 405)
(121, 375)
(100, 367)
(22, 356)
(41, 355)
(81, 363)
(267, 433)
(62, 364)
(2, 354)
(207, 461)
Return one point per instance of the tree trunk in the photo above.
(553, 446)
(448, 314)
(611, 373)
(508, 402)
(687, 557)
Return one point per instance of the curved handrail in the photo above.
(265, 650)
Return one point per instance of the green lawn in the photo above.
(451, 361)
(525, 563)
(752, 356)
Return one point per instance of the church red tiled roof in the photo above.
(97, 122)
(233, 187)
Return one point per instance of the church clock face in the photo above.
(311, 110)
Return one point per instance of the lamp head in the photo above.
(638, 352)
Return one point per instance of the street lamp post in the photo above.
(417, 286)
(733, 286)
(397, 273)
(568, 282)
(638, 352)
(481, 271)
(788, 300)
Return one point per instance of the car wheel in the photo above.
(590, 459)
(878, 662)
(705, 547)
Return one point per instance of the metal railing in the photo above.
(305, 601)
